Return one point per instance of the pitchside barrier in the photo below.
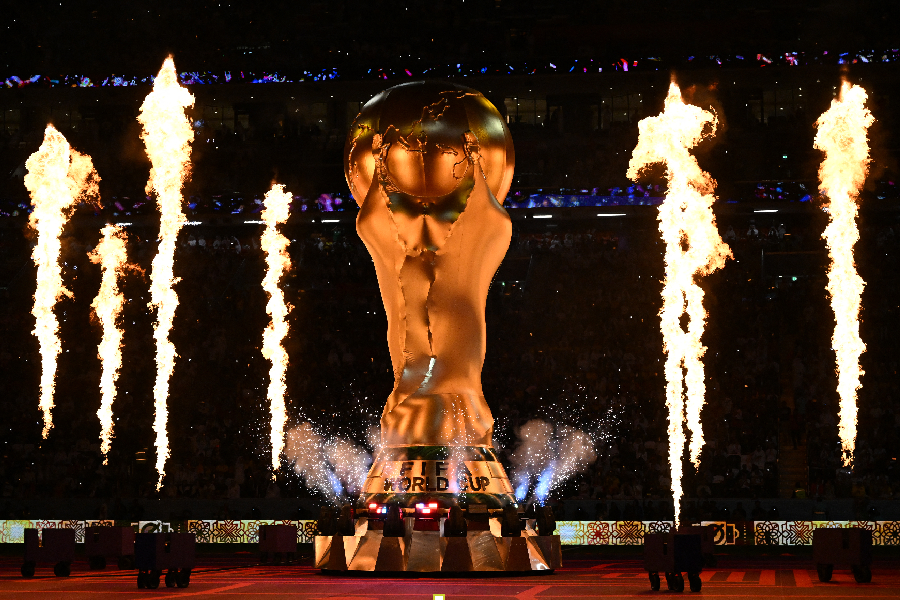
(572, 533)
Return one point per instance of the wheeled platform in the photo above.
(278, 543)
(674, 554)
(174, 553)
(103, 543)
(55, 546)
(850, 547)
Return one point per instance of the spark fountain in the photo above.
(57, 178)
(167, 134)
(693, 247)
(112, 256)
(274, 244)
(841, 136)
(429, 165)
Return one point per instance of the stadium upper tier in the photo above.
(415, 70)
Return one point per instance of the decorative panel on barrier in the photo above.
(572, 533)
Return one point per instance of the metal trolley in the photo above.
(674, 554)
(174, 553)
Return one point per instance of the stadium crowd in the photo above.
(573, 338)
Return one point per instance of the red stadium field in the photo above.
(240, 576)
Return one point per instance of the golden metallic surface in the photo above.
(429, 164)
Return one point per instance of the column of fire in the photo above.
(693, 247)
(274, 244)
(841, 136)
(167, 134)
(57, 177)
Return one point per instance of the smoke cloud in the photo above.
(335, 468)
(546, 456)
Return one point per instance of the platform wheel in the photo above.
(170, 577)
(62, 569)
(96, 562)
(824, 571)
(263, 557)
(125, 562)
(695, 583)
(142, 580)
(710, 560)
(28, 569)
(862, 574)
(675, 581)
(183, 579)
(654, 581)
(152, 579)
(277, 558)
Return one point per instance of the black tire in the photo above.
(125, 562)
(183, 579)
(62, 569)
(677, 584)
(654, 581)
(694, 580)
(711, 560)
(862, 574)
(142, 580)
(170, 578)
(152, 579)
(824, 571)
(263, 557)
(276, 558)
(28, 569)
(96, 562)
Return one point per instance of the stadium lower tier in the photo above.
(572, 533)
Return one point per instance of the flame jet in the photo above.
(841, 136)
(167, 134)
(112, 256)
(57, 178)
(693, 247)
(274, 244)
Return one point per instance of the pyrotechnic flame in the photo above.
(693, 247)
(57, 177)
(112, 256)
(842, 136)
(274, 244)
(167, 134)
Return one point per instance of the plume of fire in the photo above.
(167, 135)
(274, 244)
(693, 247)
(112, 256)
(841, 136)
(57, 178)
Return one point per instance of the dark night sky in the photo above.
(115, 36)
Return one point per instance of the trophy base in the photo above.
(425, 549)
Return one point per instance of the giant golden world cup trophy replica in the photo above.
(429, 164)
